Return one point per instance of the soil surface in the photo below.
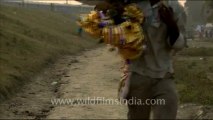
(93, 73)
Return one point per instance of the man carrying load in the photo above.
(149, 71)
(151, 75)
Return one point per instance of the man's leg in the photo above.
(139, 112)
(164, 89)
(140, 89)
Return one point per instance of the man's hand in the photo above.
(167, 16)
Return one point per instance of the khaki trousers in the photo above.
(158, 95)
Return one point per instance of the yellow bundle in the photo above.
(133, 12)
(128, 36)
(89, 22)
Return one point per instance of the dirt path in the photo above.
(94, 73)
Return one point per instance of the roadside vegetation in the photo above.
(31, 39)
(194, 74)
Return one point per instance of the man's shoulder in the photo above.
(177, 7)
(143, 4)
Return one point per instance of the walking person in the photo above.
(80, 30)
(151, 75)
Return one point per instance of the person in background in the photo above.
(80, 30)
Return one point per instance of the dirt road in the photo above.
(93, 73)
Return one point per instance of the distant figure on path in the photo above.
(80, 31)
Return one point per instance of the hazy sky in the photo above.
(75, 2)
(182, 2)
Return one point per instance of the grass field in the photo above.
(194, 74)
(30, 40)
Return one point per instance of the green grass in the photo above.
(194, 76)
(210, 19)
(202, 51)
(30, 40)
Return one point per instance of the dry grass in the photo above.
(30, 40)
(194, 75)
(202, 51)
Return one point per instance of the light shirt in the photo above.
(156, 61)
